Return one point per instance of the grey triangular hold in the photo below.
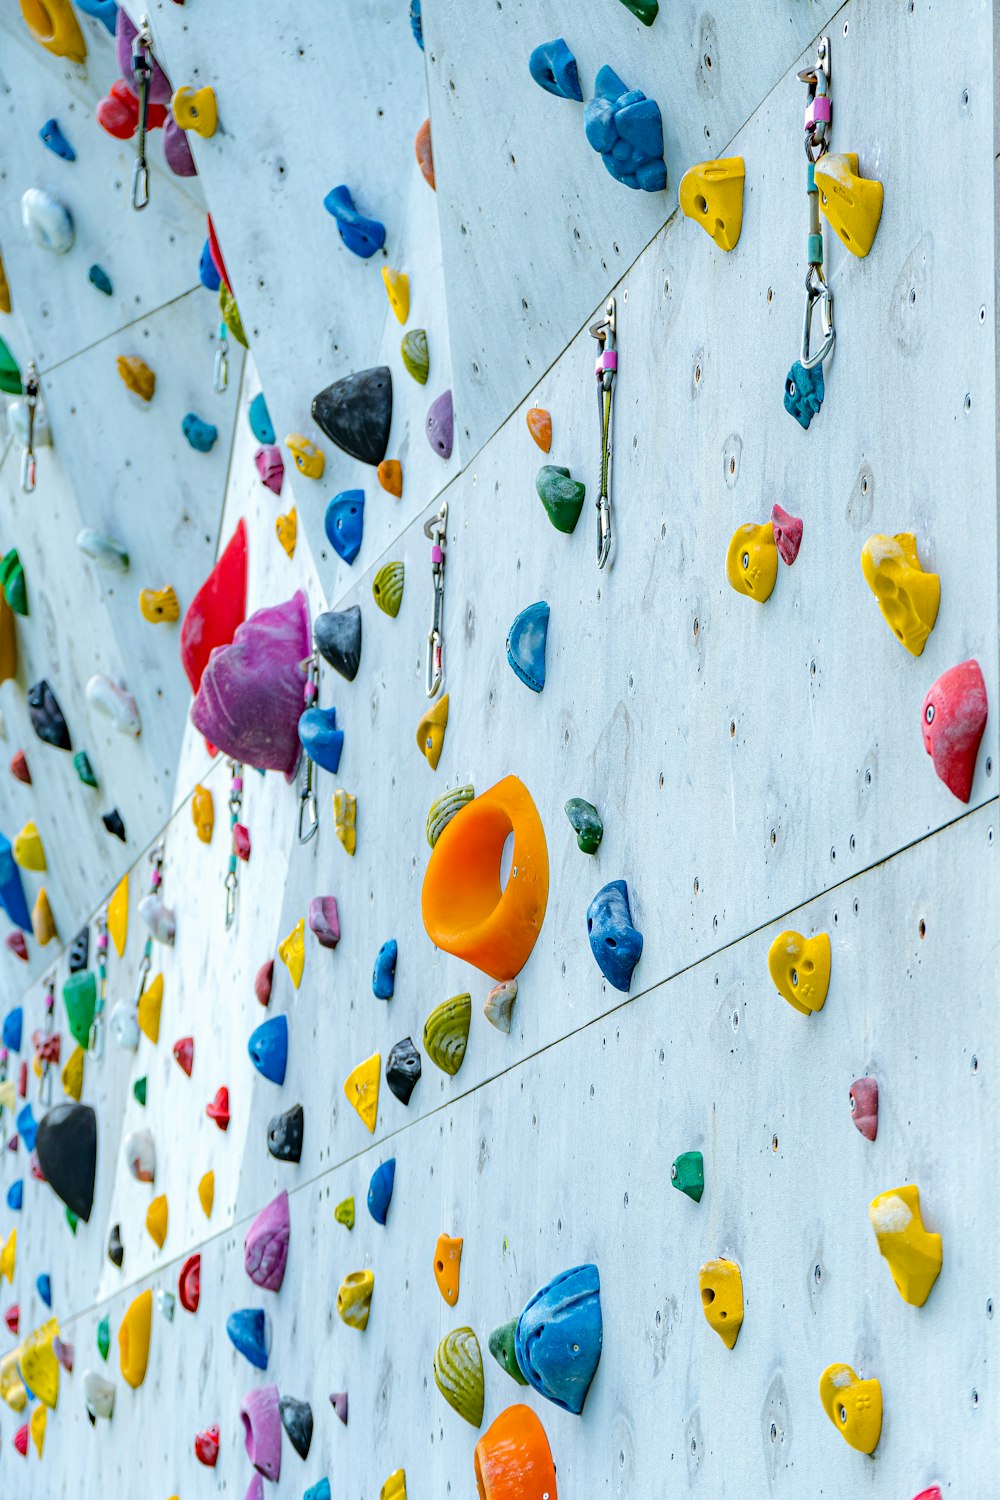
(338, 639)
(356, 413)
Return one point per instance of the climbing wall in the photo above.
(758, 768)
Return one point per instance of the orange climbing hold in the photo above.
(447, 1267)
(425, 156)
(513, 1459)
(390, 476)
(287, 528)
(540, 426)
(137, 375)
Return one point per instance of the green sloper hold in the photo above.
(646, 10)
(446, 1032)
(387, 587)
(416, 359)
(12, 581)
(71, 1220)
(84, 769)
(139, 1090)
(10, 375)
(587, 822)
(688, 1174)
(502, 1350)
(80, 999)
(458, 1370)
(230, 314)
(444, 809)
(344, 1213)
(104, 1337)
(562, 496)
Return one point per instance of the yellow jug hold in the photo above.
(850, 203)
(907, 596)
(914, 1255)
(800, 968)
(711, 194)
(854, 1406)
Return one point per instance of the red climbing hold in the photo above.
(787, 534)
(19, 767)
(262, 984)
(36, 1170)
(21, 1440)
(934, 1493)
(15, 941)
(22, 1080)
(47, 1045)
(425, 156)
(953, 720)
(216, 253)
(219, 606)
(241, 841)
(218, 1110)
(864, 1106)
(118, 113)
(189, 1283)
(184, 1053)
(206, 1447)
(12, 1317)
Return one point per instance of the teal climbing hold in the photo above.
(10, 374)
(85, 771)
(502, 1348)
(201, 435)
(688, 1174)
(260, 420)
(562, 496)
(526, 645)
(98, 276)
(104, 1337)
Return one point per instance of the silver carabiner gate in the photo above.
(95, 1042)
(308, 810)
(606, 369)
(28, 468)
(436, 531)
(142, 72)
(818, 294)
(220, 373)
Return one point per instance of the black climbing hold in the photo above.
(356, 413)
(67, 1154)
(402, 1069)
(79, 951)
(338, 639)
(297, 1420)
(284, 1134)
(47, 717)
(113, 823)
(116, 1250)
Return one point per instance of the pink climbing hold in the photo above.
(265, 1248)
(338, 1401)
(255, 1489)
(787, 534)
(864, 1106)
(952, 721)
(15, 941)
(265, 979)
(270, 467)
(241, 841)
(36, 1170)
(324, 921)
(21, 1440)
(933, 1493)
(12, 1318)
(218, 1110)
(64, 1354)
(261, 1418)
(206, 1446)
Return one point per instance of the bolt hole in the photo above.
(770, 294)
(696, 886)
(774, 1143)
(833, 856)
(968, 403)
(812, 669)
(661, 781)
(974, 1063)
(732, 729)
(982, 315)
(846, 26)
(774, 837)
(774, 1433)
(868, 778)
(922, 928)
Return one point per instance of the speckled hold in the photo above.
(586, 822)
(440, 425)
(416, 358)
(499, 1006)
(402, 1069)
(284, 1134)
(384, 973)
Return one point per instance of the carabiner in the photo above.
(28, 472)
(818, 105)
(220, 374)
(308, 810)
(606, 369)
(235, 805)
(818, 294)
(142, 72)
(436, 531)
(95, 1042)
(230, 884)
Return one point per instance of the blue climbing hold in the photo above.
(15, 1195)
(384, 975)
(44, 1285)
(201, 435)
(207, 274)
(320, 738)
(526, 645)
(101, 10)
(615, 943)
(268, 1048)
(52, 137)
(27, 1127)
(11, 890)
(363, 236)
(553, 67)
(98, 276)
(626, 129)
(260, 420)
(13, 1024)
(380, 1190)
(249, 1331)
(416, 24)
(344, 522)
(804, 392)
(558, 1337)
(321, 1491)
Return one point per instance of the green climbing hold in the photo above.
(415, 356)
(646, 10)
(587, 821)
(104, 1337)
(458, 1370)
(12, 581)
(139, 1090)
(387, 587)
(502, 1350)
(80, 999)
(230, 315)
(84, 769)
(562, 496)
(446, 1032)
(71, 1220)
(10, 375)
(444, 808)
(344, 1213)
(688, 1174)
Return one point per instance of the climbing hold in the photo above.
(37, 1364)
(502, 1348)
(17, 945)
(55, 27)
(526, 645)
(64, 1354)
(201, 435)
(265, 1248)
(47, 717)
(19, 767)
(13, 1026)
(914, 1254)
(338, 1400)
(156, 1220)
(513, 1459)
(241, 841)
(586, 821)
(804, 391)
(148, 1009)
(12, 897)
(12, 582)
(425, 154)
(416, 359)
(387, 587)
(249, 1331)
(228, 310)
(37, 1424)
(499, 1005)
(104, 1337)
(116, 1250)
(217, 609)
(260, 421)
(292, 951)
(139, 1091)
(320, 738)
(48, 221)
(390, 476)
(851, 204)
(361, 1087)
(284, 1134)
(430, 732)
(626, 129)
(337, 634)
(384, 974)
(297, 1420)
(402, 1069)
(363, 237)
(189, 1284)
(458, 1372)
(286, 529)
(268, 1047)
(559, 1335)
(98, 1396)
(12, 1318)
(354, 1299)
(263, 981)
(8, 641)
(688, 1174)
(140, 1155)
(324, 920)
(344, 523)
(864, 1106)
(711, 194)
(203, 813)
(907, 596)
(380, 1190)
(308, 458)
(137, 375)
(319, 1491)
(787, 534)
(195, 109)
(44, 1286)
(206, 1193)
(800, 968)
(103, 550)
(206, 1447)
(97, 276)
(114, 702)
(133, 1339)
(752, 561)
(345, 818)
(722, 1298)
(356, 413)
(954, 718)
(184, 1053)
(561, 495)
(344, 1213)
(440, 425)
(614, 941)
(79, 951)
(271, 468)
(394, 1487)
(15, 1196)
(397, 288)
(553, 66)
(8, 1256)
(80, 999)
(447, 1267)
(43, 923)
(853, 1405)
(29, 852)
(540, 426)
(446, 1033)
(113, 823)
(444, 808)
(645, 10)
(218, 1108)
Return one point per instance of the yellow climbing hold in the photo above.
(203, 813)
(8, 1095)
(914, 1255)
(354, 1299)
(721, 1286)
(752, 561)
(8, 1256)
(39, 1417)
(711, 193)
(43, 923)
(159, 606)
(854, 1406)
(72, 1073)
(156, 1220)
(308, 458)
(133, 1339)
(430, 731)
(851, 204)
(118, 916)
(344, 1213)
(137, 375)
(54, 26)
(907, 596)
(800, 968)
(397, 289)
(361, 1088)
(287, 528)
(292, 951)
(345, 818)
(206, 1193)
(28, 850)
(149, 1007)
(4, 289)
(11, 1385)
(394, 1487)
(38, 1364)
(196, 109)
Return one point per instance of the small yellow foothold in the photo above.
(11, 1385)
(292, 951)
(4, 289)
(43, 923)
(156, 1220)
(361, 1087)
(397, 288)
(721, 1287)
(203, 813)
(345, 817)
(150, 1004)
(28, 850)
(54, 26)
(196, 109)
(752, 561)
(287, 528)
(39, 1417)
(907, 596)
(711, 193)
(206, 1193)
(395, 1487)
(354, 1300)
(118, 916)
(914, 1255)
(72, 1073)
(38, 1364)
(159, 606)
(8, 1256)
(133, 1339)
(448, 1267)
(344, 1213)
(137, 375)
(430, 731)
(800, 968)
(851, 204)
(854, 1406)
(309, 459)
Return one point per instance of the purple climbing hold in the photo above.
(125, 35)
(338, 1400)
(177, 152)
(324, 920)
(265, 1248)
(261, 1418)
(440, 425)
(255, 1489)
(270, 467)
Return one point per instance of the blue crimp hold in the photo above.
(52, 137)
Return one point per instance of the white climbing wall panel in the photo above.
(756, 769)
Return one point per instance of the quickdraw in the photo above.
(142, 72)
(436, 531)
(95, 1045)
(235, 804)
(308, 810)
(606, 370)
(220, 373)
(47, 1054)
(804, 389)
(28, 466)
